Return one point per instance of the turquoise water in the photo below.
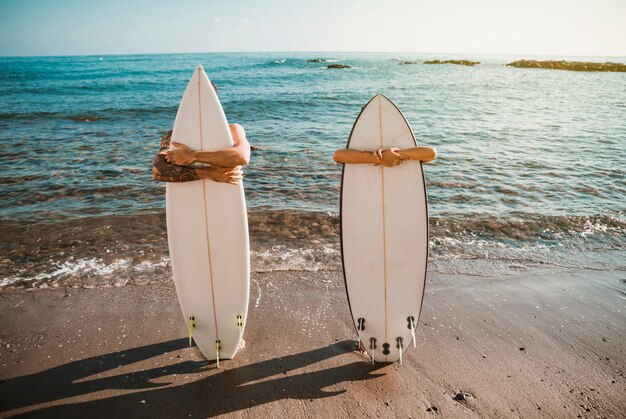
(531, 162)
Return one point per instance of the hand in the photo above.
(390, 157)
(181, 155)
(221, 174)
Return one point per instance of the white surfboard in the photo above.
(384, 234)
(207, 229)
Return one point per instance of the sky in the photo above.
(520, 27)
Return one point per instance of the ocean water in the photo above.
(531, 167)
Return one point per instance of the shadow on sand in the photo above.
(222, 392)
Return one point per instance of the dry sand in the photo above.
(520, 346)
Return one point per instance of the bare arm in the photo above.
(237, 155)
(389, 157)
(167, 172)
(164, 171)
(346, 156)
(423, 154)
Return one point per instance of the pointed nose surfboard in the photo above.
(207, 230)
(384, 234)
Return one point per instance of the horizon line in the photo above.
(312, 52)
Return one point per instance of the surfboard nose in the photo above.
(383, 97)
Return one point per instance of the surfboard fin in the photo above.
(360, 326)
(373, 348)
(240, 325)
(217, 352)
(411, 326)
(192, 325)
(399, 346)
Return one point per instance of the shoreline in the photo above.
(123, 351)
(117, 250)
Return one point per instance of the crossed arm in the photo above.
(389, 157)
(173, 165)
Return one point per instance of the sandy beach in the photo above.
(523, 345)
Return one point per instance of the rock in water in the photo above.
(457, 62)
(569, 65)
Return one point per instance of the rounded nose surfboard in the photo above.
(207, 230)
(384, 234)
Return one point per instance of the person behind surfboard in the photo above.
(225, 164)
(388, 157)
(174, 165)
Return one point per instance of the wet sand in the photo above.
(526, 345)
